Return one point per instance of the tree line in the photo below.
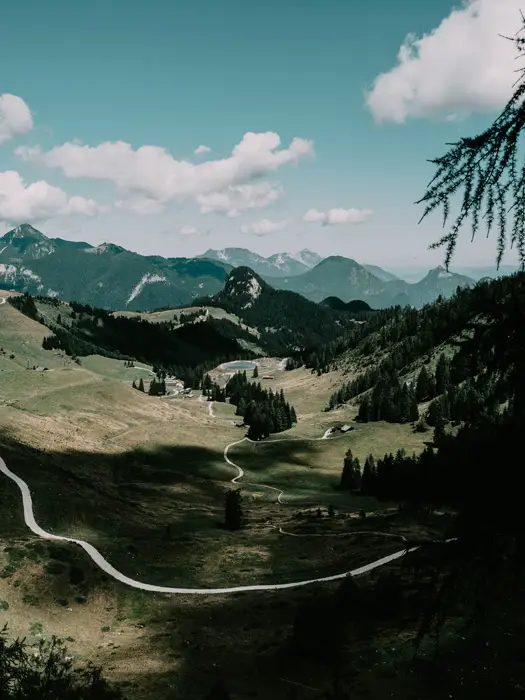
(263, 410)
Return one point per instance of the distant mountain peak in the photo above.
(278, 264)
(24, 231)
(111, 248)
(245, 285)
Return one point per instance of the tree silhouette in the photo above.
(233, 515)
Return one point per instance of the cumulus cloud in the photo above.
(312, 216)
(151, 172)
(192, 231)
(265, 226)
(202, 149)
(460, 67)
(142, 206)
(15, 117)
(21, 202)
(337, 216)
(236, 199)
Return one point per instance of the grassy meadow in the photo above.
(143, 479)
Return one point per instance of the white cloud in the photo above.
(312, 215)
(15, 117)
(142, 206)
(20, 203)
(236, 199)
(337, 216)
(151, 172)
(265, 226)
(202, 149)
(192, 231)
(460, 67)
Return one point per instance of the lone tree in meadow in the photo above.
(255, 372)
(233, 515)
(141, 384)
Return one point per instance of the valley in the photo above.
(142, 479)
(262, 391)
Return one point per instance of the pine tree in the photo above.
(233, 515)
(287, 416)
(439, 433)
(413, 413)
(442, 375)
(134, 384)
(351, 474)
(141, 384)
(348, 473)
(294, 415)
(365, 410)
(368, 478)
(241, 407)
(255, 372)
(357, 476)
(423, 385)
(434, 413)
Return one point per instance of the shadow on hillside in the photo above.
(155, 515)
(122, 503)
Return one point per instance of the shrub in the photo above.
(45, 671)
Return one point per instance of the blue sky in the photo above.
(175, 75)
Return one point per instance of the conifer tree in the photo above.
(233, 515)
(141, 384)
(413, 414)
(365, 410)
(368, 478)
(423, 385)
(442, 375)
(134, 384)
(255, 372)
(434, 413)
(351, 474)
(439, 432)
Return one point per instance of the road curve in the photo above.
(103, 564)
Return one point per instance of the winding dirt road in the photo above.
(103, 564)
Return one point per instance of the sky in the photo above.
(170, 127)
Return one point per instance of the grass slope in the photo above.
(114, 467)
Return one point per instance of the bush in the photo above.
(45, 671)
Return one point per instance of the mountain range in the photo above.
(348, 280)
(277, 265)
(111, 277)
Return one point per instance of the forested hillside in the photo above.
(186, 352)
(286, 321)
(427, 355)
